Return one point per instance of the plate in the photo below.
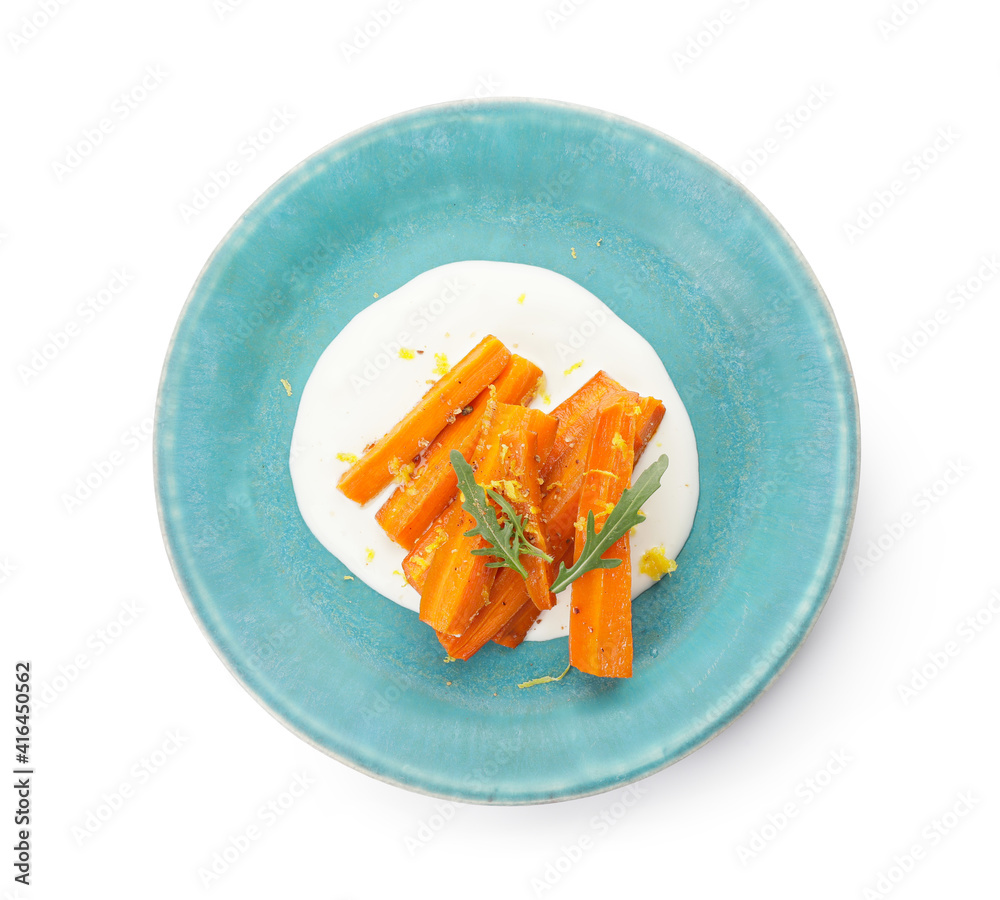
(681, 252)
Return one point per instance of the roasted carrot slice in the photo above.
(410, 436)
(583, 403)
(507, 598)
(521, 454)
(511, 612)
(647, 420)
(600, 623)
(516, 630)
(409, 512)
(516, 625)
(576, 415)
(562, 497)
(458, 583)
(418, 560)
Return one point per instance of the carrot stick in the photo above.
(510, 612)
(411, 509)
(600, 623)
(562, 497)
(575, 415)
(582, 404)
(418, 560)
(520, 485)
(647, 420)
(512, 632)
(458, 583)
(507, 598)
(400, 446)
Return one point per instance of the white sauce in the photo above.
(361, 386)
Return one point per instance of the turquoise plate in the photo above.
(689, 259)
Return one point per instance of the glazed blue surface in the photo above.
(689, 259)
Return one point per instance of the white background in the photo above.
(882, 97)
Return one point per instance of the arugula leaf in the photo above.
(624, 516)
(508, 541)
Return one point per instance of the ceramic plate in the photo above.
(689, 259)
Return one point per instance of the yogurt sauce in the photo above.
(385, 358)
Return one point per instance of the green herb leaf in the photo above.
(507, 540)
(624, 516)
(545, 679)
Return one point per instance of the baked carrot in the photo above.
(508, 597)
(511, 612)
(545, 426)
(575, 415)
(582, 403)
(389, 455)
(458, 582)
(411, 509)
(648, 419)
(522, 452)
(520, 487)
(418, 560)
(516, 630)
(562, 497)
(600, 622)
